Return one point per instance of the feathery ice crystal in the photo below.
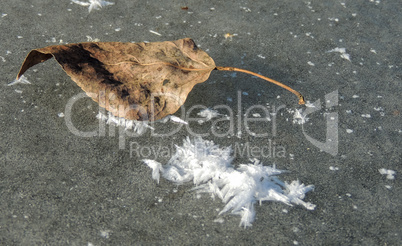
(93, 4)
(210, 168)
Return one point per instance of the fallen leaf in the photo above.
(137, 81)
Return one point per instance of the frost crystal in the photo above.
(299, 117)
(210, 168)
(208, 114)
(344, 55)
(93, 4)
(21, 80)
(137, 126)
(173, 119)
(390, 173)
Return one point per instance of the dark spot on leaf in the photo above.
(157, 101)
(124, 93)
(110, 81)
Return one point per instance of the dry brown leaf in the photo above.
(137, 81)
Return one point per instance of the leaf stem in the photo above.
(301, 98)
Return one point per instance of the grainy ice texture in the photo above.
(91, 187)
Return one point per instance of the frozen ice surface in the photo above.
(210, 168)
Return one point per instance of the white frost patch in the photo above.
(219, 220)
(174, 119)
(137, 126)
(105, 233)
(21, 80)
(332, 168)
(156, 33)
(93, 4)
(245, 9)
(210, 168)
(208, 114)
(310, 105)
(52, 40)
(378, 108)
(90, 39)
(344, 55)
(390, 173)
(299, 117)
